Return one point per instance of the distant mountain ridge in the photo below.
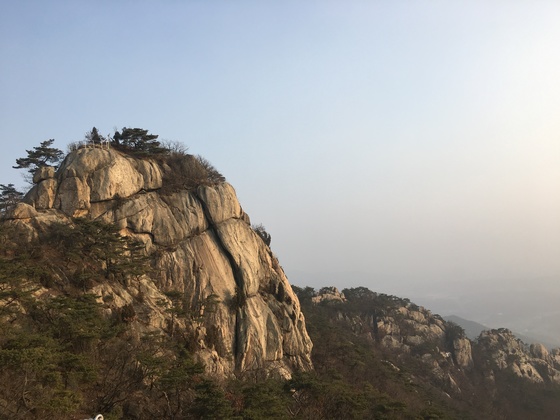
(472, 328)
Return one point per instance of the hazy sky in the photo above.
(391, 144)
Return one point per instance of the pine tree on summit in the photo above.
(43, 155)
(94, 137)
(138, 141)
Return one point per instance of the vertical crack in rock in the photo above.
(240, 296)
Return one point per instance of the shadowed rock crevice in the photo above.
(239, 299)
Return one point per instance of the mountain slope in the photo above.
(401, 349)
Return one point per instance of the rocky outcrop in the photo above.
(405, 331)
(408, 331)
(328, 294)
(245, 319)
(409, 328)
(462, 353)
(503, 351)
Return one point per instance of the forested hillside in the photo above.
(394, 359)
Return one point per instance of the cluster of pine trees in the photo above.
(186, 171)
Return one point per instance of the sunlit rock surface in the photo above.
(243, 315)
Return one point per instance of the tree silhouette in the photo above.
(9, 197)
(138, 141)
(263, 234)
(94, 137)
(43, 155)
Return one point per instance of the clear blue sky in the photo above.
(391, 144)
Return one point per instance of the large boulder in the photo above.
(42, 173)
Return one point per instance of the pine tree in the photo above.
(95, 249)
(138, 141)
(211, 403)
(94, 137)
(40, 156)
(9, 197)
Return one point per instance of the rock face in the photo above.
(328, 294)
(246, 321)
(404, 330)
(462, 352)
(504, 351)
(408, 330)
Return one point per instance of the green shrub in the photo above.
(187, 172)
(260, 230)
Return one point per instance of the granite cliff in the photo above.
(244, 317)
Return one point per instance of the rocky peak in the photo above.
(539, 351)
(328, 294)
(404, 330)
(201, 245)
(504, 351)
